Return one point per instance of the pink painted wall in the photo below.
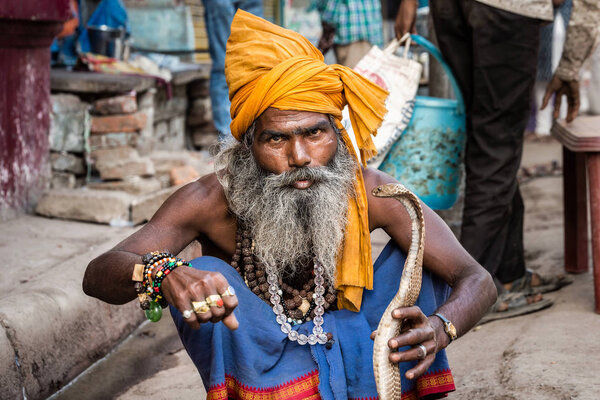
(27, 28)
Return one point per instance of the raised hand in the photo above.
(201, 296)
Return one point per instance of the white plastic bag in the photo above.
(400, 77)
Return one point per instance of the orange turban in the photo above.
(269, 66)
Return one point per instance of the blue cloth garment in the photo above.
(218, 15)
(259, 358)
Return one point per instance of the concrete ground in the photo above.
(53, 332)
(49, 330)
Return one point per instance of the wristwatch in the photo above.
(448, 327)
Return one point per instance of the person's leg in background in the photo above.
(218, 15)
(496, 75)
(252, 6)
(350, 54)
(505, 48)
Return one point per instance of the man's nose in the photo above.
(298, 155)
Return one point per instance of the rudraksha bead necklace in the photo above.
(298, 304)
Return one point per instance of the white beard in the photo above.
(290, 227)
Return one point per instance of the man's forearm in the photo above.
(108, 277)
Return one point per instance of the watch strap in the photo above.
(448, 327)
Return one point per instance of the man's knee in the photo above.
(209, 263)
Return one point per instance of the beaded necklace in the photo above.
(292, 306)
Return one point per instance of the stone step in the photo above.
(134, 185)
(102, 206)
(111, 207)
(124, 168)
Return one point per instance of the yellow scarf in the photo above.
(269, 66)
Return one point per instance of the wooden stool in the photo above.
(581, 168)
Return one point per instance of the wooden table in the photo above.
(581, 170)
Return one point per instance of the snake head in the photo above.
(389, 190)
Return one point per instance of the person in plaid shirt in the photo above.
(351, 27)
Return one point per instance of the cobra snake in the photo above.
(387, 375)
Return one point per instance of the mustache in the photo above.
(313, 174)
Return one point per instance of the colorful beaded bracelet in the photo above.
(148, 272)
(161, 273)
(152, 301)
(148, 302)
(151, 260)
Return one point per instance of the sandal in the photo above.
(547, 284)
(517, 305)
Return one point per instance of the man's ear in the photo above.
(333, 125)
(248, 138)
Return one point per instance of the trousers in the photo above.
(493, 55)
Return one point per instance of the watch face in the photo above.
(451, 330)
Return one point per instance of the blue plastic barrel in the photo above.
(427, 157)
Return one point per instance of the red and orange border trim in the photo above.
(428, 384)
(307, 387)
(304, 387)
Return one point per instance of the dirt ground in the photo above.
(551, 354)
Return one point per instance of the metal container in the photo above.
(106, 41)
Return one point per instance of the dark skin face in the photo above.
(285, 140)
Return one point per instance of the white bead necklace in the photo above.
(317, 335)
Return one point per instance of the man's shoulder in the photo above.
(206, 186)
(204, 196)
(374, 177)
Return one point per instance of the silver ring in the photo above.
(420, 346)
(187, 313)
(228, 292)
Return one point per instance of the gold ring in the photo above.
(214, 300)
(200, 307)
(228, 292)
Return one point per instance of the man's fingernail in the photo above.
(393, 343)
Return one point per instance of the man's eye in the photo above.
(275, 139)
(316, 132)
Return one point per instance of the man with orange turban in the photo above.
(285, 227)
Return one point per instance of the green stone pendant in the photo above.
(154, 313)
